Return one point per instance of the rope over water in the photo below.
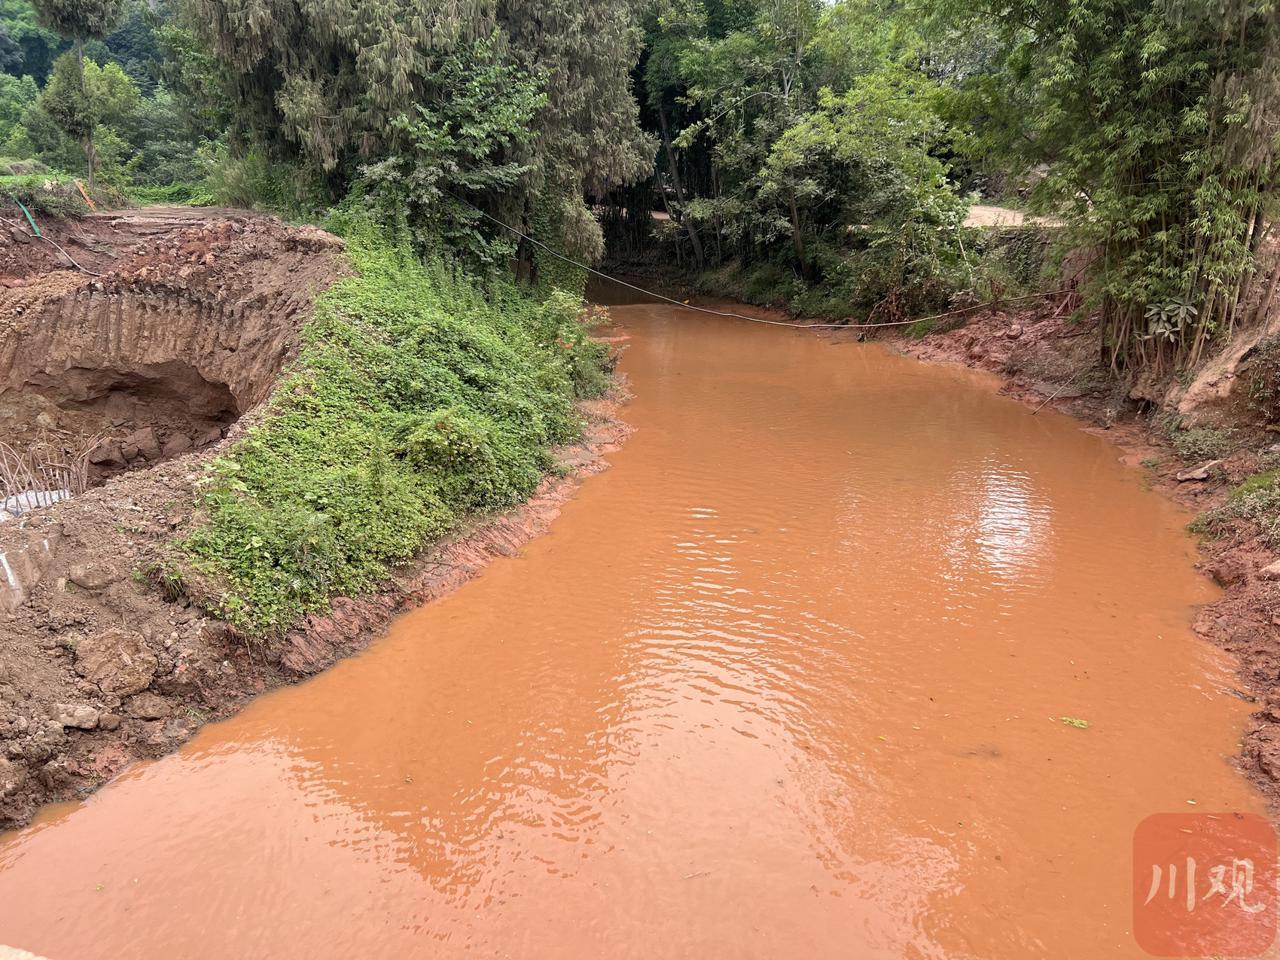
(739, 316)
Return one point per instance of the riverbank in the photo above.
(198, 669)
(147, 387)
(1043, 362)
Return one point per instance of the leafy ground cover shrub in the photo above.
(1256, 500)
(176, 194)
(1201, 443)
(54, 194)
(420, 397)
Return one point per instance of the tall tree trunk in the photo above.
(694, 240)
(90, 153)
(797, 240)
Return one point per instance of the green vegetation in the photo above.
(1257, 500)
(115, 93)
(420, 397)
(334, 88)
(1201, 443)
(802, 149)
(43, 193)
(817, 154)
(1150, 122)
(838, 142)
(1258, 483)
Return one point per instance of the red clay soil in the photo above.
(1045, 359)
(161, 352)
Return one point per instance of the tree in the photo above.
(324, 84)
(67, 103)
(459, 149)
(802, 139)
(16, 95)
(1155, 121)
(77, 20)
(37, 46)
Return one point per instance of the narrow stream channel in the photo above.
(786, 681)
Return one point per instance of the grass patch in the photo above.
(421, 396)
(173, 194)
(1258, 483)
(1257, 499)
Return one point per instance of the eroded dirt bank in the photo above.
(129, 376)
(1046, 360)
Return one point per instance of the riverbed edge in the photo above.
(238, 671)
(1244, 619)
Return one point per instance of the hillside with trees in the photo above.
(817, 155)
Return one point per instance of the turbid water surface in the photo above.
(788, 680)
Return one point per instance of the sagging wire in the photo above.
(739, 316)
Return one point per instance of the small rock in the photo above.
(109, 721)
(1014, 332)
(177, 445)
(80, 716)
(1226, 572)
(94, 576)
(149, 706)
(145, 442)
(1202, 472)
(118, 662)
(107, 454)
(209, 437)
(12, 776)
(1271, 571)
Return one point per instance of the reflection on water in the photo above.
(780, 683)
(1013, 529)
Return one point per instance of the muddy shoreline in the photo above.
(206, 672)
(107, 655)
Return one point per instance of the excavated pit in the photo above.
(159, 355)
(117, 383)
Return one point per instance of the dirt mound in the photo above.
(160, 354)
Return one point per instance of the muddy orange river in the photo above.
(786, 681)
